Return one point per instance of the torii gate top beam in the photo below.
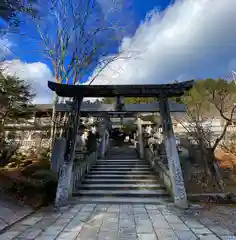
(170, 90)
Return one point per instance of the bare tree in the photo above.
(9, 8)
(222, 97)
(209, 100)
(77, 37)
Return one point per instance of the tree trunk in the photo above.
(220, 137)
(204, 156)
(53, 123)
(218, 176)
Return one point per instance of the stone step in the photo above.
(122, 186)
(121, 164)
(109, 172)
(123, 200)
(119, 168)
(122, 161)
(118, 181)
(121, 180)
(122, 193)
(129, 170)
(115, 176)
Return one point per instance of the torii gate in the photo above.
(121, 110)
(163, 92)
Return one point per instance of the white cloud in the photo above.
(37, 74)
(191, 39)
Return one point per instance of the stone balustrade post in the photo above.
(103, 144)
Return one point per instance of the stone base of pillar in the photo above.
(181, 203)
(63, 186)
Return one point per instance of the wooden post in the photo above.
(65, 174)
(180, 197)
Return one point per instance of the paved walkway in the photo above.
(101, 222)
(11, 211)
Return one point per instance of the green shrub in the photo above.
(45, 175)
(31, 169)
(48, 184)
(35, 184)
(44, 155)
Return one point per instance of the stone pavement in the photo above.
(110, 221)
(11, 211)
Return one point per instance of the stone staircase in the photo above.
(121, 178)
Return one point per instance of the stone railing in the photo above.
(81, 167)
(72, 174)
(137, 147)
(156, 161)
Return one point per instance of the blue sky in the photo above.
(29, 44)
(167, 40)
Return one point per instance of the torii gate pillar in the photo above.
(180, 197)
(65, 174)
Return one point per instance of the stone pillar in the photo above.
(180, 197)
(103, 144)
(105, 136)
(65, 174)
(140, 138)
(58, 154)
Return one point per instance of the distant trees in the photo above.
(210, 99)
(15, 101)
(132, 100)
(140, 100)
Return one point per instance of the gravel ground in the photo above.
(221, 215)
